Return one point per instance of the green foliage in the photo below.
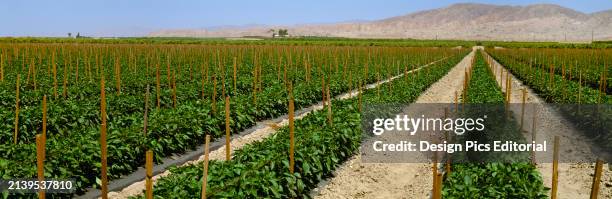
(260, 169)
(496, 175)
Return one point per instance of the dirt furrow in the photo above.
(355, 179)
(575, 179)
(238, 142)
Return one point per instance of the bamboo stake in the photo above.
(555, 174)
(205, 175)
(149, 174)
(227, 128)
(40, 159)
(16, 110)
(596, 179)
(103, 139)
(291, 132)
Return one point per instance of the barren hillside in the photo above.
(458, 21)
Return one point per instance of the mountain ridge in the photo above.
(541, 22)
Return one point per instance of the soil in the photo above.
(355, 179)
(575, 179)
(239, 142)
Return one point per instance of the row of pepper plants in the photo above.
(477, 174)
(190, 81)
(586, 107)
(587, 65)
(261, 169)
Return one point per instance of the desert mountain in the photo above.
(459, 21)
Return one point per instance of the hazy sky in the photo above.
(137, 17)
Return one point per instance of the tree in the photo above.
(69, 34)
(282, 32)
(273, 32)
(78, 35)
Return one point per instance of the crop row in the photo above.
(490, 174)
(586, 107)
(261, 169)
(589, 66)
(73, 148)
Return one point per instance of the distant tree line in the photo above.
(279, 32)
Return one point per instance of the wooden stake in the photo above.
(291, 133)
(596, 179)
(2, 68)
(214, 95)
(456, 101)
(77, 71)
(330, 118)
(173, 85)
(118, 76)
(447, 138)
(434, 169)
(16, 110)
(149, 174)
(103, 139)
(146, 112)
(55, 80)
(158, 88)
(323, 90)
(40, 159)
(509, 87)
(205, 175)
(350, 84)
(555, 174)
(44, 122)
(438, 187)
(465, 89)
(359, 92)
(533, 134)
(65, 82)
(523, 107)
(579, 86)
(234, 74)
(227, 128)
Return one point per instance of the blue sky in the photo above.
(137, 17)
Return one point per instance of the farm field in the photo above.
(91, 111)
